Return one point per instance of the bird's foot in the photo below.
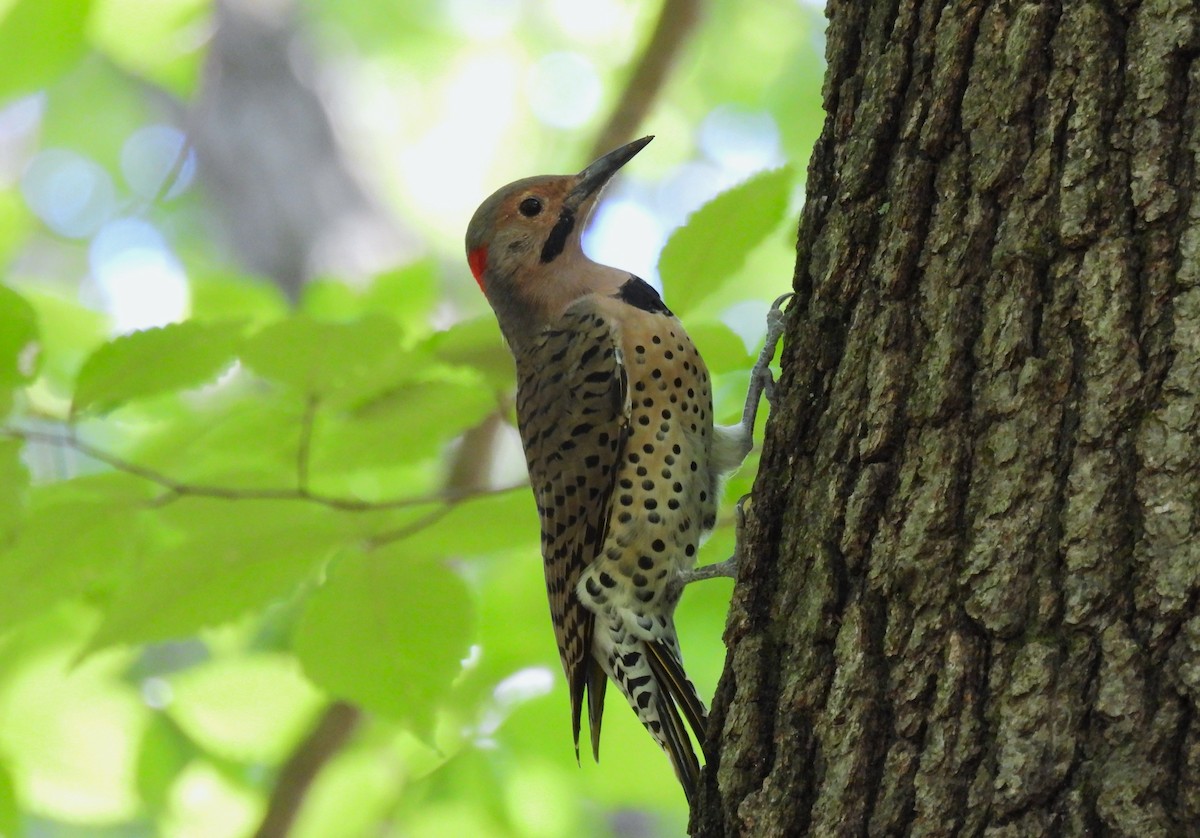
(726, 568)
(761, 381)
(729, 567)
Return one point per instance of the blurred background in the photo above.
(268, 562)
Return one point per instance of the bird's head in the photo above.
(523, 243)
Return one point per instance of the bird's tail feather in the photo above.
(677, 693)
(597, 683)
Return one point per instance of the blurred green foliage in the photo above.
(211, 529)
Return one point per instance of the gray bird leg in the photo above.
(729, 567)
(761, 382)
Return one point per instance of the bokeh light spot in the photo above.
(563, 90)
(627, 235)
(72, 194)
(483, 20)
(151, 156)
(596, 21)
(142, 282)
(741, 140)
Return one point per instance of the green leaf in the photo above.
(323, 358)
(14, 483)
(9, 814)
(716, 239)
(721, 347)
(228, 296)
(238, 441)
(16, 223)
(65, 547)
(69, 333)
(408, 424)
(476, 343)
(152, 38)
(249, 708)
(213, 560)
(97, 94)
(388, 630)
(178, 356)
(72, 731)
(40, 40)
(163, 755)
(409, 294)
(18, 339)
(329, 299)
(212, 799)
(358, 791)
(483, 526)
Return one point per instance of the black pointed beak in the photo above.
(592, 179)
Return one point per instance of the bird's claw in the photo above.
(729, 567)
(761, 380)
(775, 315)
(775, 321)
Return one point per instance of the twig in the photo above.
(675, 23)
(176, 489)
(467, 476)
(411, 528)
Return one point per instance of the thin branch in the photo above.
(331, 732)
(676, 22)
(467, 476)
(176, 171)
(411, 528)
(176, 489)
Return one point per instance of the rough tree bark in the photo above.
(971, 599)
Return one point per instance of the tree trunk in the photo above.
(970, 603)
(285, 198)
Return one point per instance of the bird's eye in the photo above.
(530, 207)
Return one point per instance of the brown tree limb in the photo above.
(330, 734)
(676, 22)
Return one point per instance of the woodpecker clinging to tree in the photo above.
(615, 410)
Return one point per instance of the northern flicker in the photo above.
(614, 405)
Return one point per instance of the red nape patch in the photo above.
(477, 259)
